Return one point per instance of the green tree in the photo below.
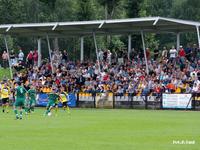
(161, 8)
(85, 10)
(11, 11)
(110, 7)
(50, 3)
(156, 8)
(188, 10)
(133, 8)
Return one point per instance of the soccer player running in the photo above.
(20, 93)
(5, 92)
(64, 99)
(53, 100)
(32, 98)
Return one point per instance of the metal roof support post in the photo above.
(177, 41)
(39, 51)
(96, 48)
(10, 67)
(129, 46)
(82, 49)
(198, 36)
(49, 48)
(144, 49)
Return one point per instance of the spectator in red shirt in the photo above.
(29, 58)
(57, 81)
(181, 54)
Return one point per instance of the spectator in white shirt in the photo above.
(20, 55)
(101, 55)
(109, 56)
(172, 55)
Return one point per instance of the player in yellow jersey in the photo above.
(64, 99)
(5, 92)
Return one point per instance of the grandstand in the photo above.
(176, 70)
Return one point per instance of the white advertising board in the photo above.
(177, 101)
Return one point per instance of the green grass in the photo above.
(4, 73)
(101, 129)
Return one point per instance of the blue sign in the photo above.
(43, 100)
(71, 100)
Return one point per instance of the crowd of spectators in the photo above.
(170, 70)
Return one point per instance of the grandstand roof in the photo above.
(117, 26)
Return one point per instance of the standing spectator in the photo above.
(60, 57)
(140, 54)
(181, 54)
(35, 57)
(148, 53)
(164, 53)
(105, 55)
(29, 58)
(120, 56)
(20, 55)
(131, 55)
(5, 59)
(188, 52)
(109, 56)
(101, 55)
(194, 52)
(172, 55)
(156, 53)
(56, 58)
(125, 54)
(12, 57)
(64, 56)
(114, 56)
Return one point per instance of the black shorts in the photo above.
(64, 104)
(5, 100)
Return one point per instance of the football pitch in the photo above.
(102, 129)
